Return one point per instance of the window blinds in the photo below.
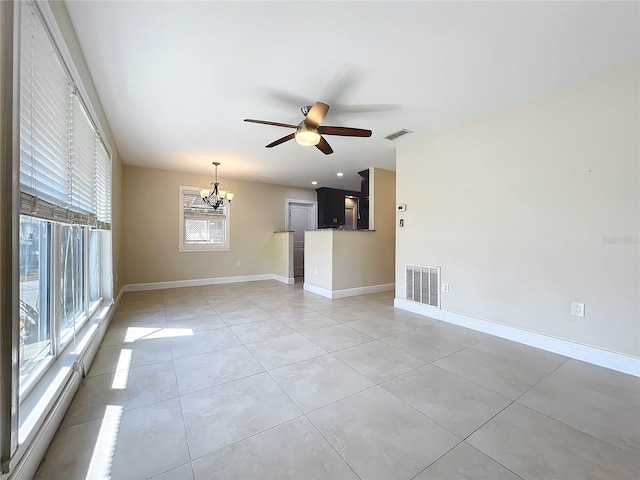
(103, 183)
(65, 169)
(44, 97)
(83, 158)
(194, 207)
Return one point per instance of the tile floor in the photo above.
(264, 380)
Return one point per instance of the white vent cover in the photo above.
(398, 134)
(423, 285)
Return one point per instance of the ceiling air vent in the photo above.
(398, 134)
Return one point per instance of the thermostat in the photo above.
(402, 208)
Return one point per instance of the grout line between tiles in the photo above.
(334, 448)
(511, 402)
(578, 430)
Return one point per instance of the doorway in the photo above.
(301, 216)
(350, 213)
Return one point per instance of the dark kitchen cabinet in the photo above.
(331, 206)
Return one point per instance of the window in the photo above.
(201, 227)
(95, 266)
(71, 280)
(65, 205)
(35, 283)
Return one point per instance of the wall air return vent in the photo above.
(398, 134)
(423, 285)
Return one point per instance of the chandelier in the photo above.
(216, 198)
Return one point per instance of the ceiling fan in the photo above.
(309, 131)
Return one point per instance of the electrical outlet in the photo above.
(315, 270)
(577, 309)
(238, 264)
(445, 288)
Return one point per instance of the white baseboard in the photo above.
(118, 298)
(352, 292)
(287, 280)
(89, 354)
(348, 292)
(199, 282)
(27, 463)
(615, 361)
(317, 290)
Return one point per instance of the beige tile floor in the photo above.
(264, 380)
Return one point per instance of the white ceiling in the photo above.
(176, 79)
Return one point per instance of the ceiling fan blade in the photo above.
(316, 114)
(324, 146)
(282, 96)
(344, 131)
(338, 109)
(281, 140)
(275, 124)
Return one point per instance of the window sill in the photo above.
(42, 398)
(203, 249)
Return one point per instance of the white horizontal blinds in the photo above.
(83, 159)
(65, 169)
(194, 207)
(44, 100)
(103, 185)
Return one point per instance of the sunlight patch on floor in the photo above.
(121, 375)
(145, 333)
(102, 457)
(138, 333)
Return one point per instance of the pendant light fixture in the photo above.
(216, 198)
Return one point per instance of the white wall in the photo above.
(531, 209)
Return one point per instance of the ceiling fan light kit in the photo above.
(214, 197)
(309, 132)
(307, 136)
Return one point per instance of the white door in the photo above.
(300, 219)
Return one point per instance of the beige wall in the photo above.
(150, 221)
(382, 189)
(531, 209)
(280, 251)
(318, 258)
(360, 259)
